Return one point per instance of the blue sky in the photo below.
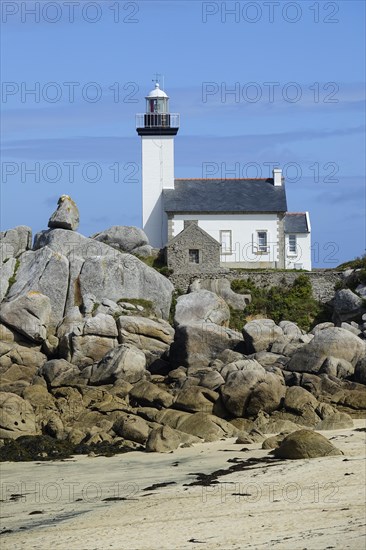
(255, 83)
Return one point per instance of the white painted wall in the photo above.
(243, 228)
(157, 174)
(302, 257)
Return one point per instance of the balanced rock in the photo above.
(305, 444)
(66, 216)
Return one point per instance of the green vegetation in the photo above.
(13, 278)
(358, 277)
(279, 303)
(237, 318)
(146, 304)
(95, 307)
(175, 296)
(357, 263)
(265, 270)
(158, 264)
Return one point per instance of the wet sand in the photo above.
(98, 503)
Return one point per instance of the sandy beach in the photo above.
(95, 503)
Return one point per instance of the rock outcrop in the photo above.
(89, 361)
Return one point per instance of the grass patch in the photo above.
(95, 307)
(146, 304)
(357, 263)
(265, 270)
(158, 264)
(294, 303)
(13, 278)
(175, 296)
(238, 318)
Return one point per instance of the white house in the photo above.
(248, 217)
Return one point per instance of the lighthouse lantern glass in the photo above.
(157, 105)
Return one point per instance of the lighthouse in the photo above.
(157, 128)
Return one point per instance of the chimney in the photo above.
(277, 176)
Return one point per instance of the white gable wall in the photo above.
(243, 229)
(300, 259)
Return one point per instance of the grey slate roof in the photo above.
(230, 195)
(296, 223)
(193, 228)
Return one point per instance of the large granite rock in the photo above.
(196, 399)
(298, 399)
(163, 440)
(66, 216)
(147, 394)
(206, 426)
(250, 389)
(101, 325)
(132, 427)
(126, 362)
(7, 273)
(332, 342)
(199, 343)
(59, 372)
(347, 305)
(305, 444)
(98, 270)
(46, 272)
(16, 417)
(201, 306)
(29, 314)
(85, 350)
(222, 288)
(123, 238)
(260, 334)
(14, 242)
(150, 335)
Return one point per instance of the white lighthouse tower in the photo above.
(157, 128)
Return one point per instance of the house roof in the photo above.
(193, 228)
(229, 195)
(296, 222)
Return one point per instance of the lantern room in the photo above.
(157, 101)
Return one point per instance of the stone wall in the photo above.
(323, 282)
(193, 238)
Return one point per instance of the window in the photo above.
(194, 256)
(292, 248)
(262, 241)
(226, 242)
